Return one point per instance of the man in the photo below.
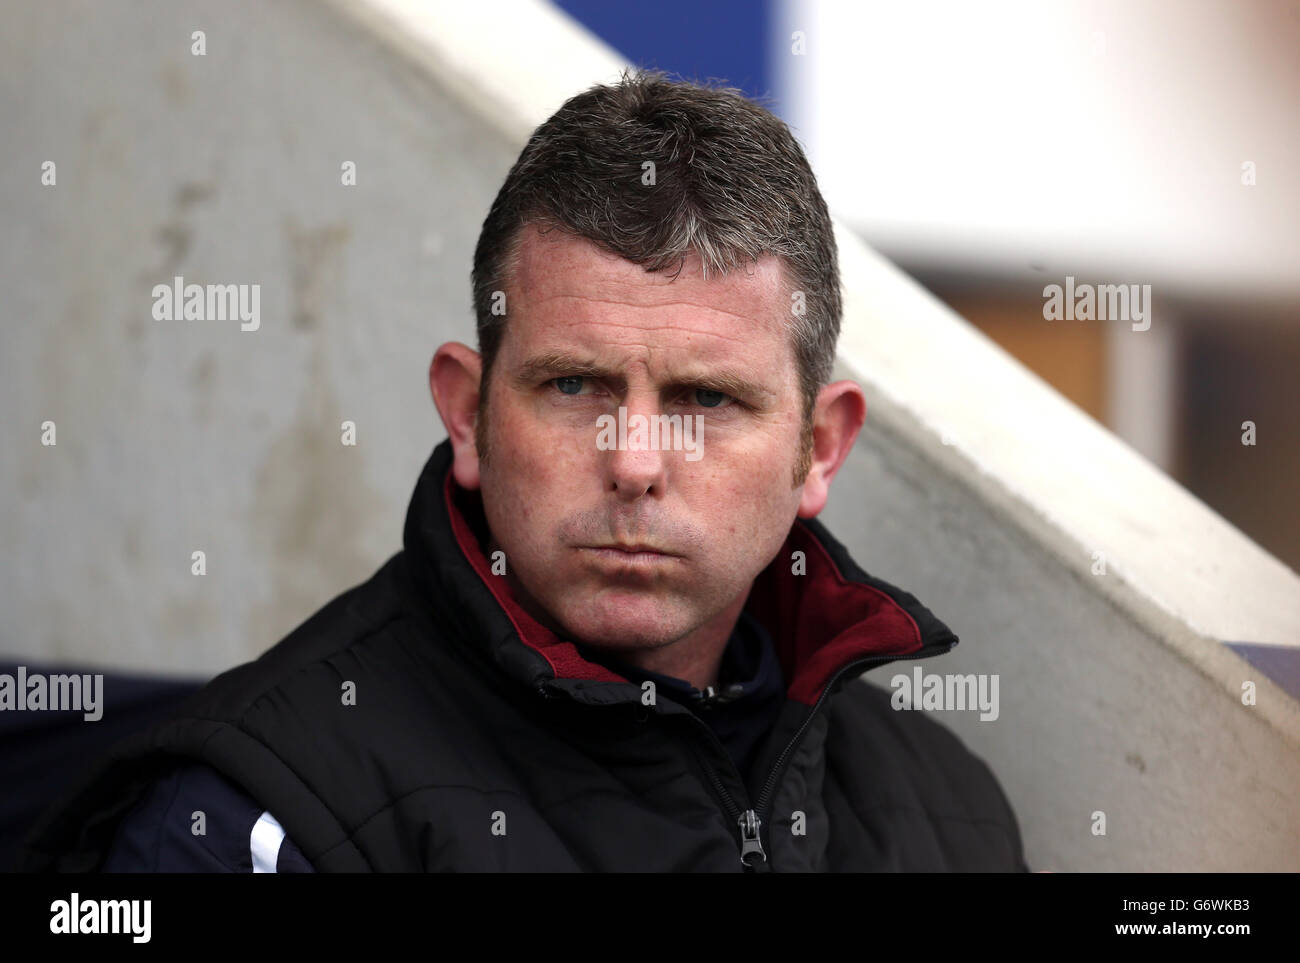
(616, 638)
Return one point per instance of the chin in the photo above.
(623, 622)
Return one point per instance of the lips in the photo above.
(634, 549)
(625, 556)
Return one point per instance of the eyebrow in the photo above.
(555, 364)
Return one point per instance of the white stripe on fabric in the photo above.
(265, 842)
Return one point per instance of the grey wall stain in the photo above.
(103, 133)
(176, 234)
(312, 500)
(181, 613)
(315, 268)
(131, 550)
(311, 504)
(81, 385)
(203, 375)
(174, 237)
(174, 82)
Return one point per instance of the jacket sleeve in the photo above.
(194, 820)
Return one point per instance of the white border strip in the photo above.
(264, 842)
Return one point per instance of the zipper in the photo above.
(744, 817)
(749, 820)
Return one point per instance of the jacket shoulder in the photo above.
(351, 618)
(905, 768)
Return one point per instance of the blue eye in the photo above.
(571, 385)
(710, 399)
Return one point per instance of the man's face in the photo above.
(636, 549)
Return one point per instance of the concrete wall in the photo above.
(176, 436)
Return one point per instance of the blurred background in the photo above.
(993, 148)
(984, 150)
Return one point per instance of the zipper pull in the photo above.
(750, 844)
(709, 696)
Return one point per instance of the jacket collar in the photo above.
(831, 615)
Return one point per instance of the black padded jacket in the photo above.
(422, 721)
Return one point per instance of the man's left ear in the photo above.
(838, 416)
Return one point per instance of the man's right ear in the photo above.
(454, 378)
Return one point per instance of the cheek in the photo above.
(749, 504)
(759, 478)
(534, 477)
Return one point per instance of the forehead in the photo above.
(567, 287)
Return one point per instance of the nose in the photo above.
(633, 474)
(636, 467)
